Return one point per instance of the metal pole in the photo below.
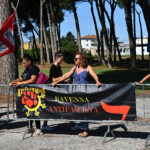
(144, 103)
(108, 131)
(149, 61)
(8, 103)
(13, 105)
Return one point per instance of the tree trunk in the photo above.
(19, 30)
(96, 30)
(58, 35)
(113, 38)
(41, 33)
(102, 47)
(146, 10)
(59, 9)
(34, 28)
(101, 35)
(50, 29)
(46, 45)
(16, 62)
(141, 32)
(112, 30)
(77, 26)
(55, 37)
(110, 39)
(53, 26)
(116, 47)
(8, 61)
(103, 24)
(134, 27)
(128, 18)
(114, 53)
(33, 50)
(34, 43)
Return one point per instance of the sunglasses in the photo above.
(75, 59)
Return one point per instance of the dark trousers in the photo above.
(30, 124)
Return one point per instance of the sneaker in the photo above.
(31, 130)
(37, 132)
(47, 128)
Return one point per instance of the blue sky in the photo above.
(87, 25)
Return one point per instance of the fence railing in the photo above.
(8, 109)
(5, 102)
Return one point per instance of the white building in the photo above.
(139, 47)
(124, 48)
(89, 42)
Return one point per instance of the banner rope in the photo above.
(15, 8)
(17, 4)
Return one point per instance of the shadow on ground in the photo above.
(4, 124)
(65, 128)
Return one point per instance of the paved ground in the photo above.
(63, 138)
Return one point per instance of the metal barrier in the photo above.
(5, 103)
(142, 107)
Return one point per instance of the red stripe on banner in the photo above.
(116, 109)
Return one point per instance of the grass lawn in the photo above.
(107, 75)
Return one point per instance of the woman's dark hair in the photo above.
(27, 57)
(59, 54)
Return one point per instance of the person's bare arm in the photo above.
(94, 75)
(30, 81)
(15, 81)
(55, 79)
(144, 79)
(65, 76)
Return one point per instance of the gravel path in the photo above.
(62, 138)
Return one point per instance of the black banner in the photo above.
(77, 102)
